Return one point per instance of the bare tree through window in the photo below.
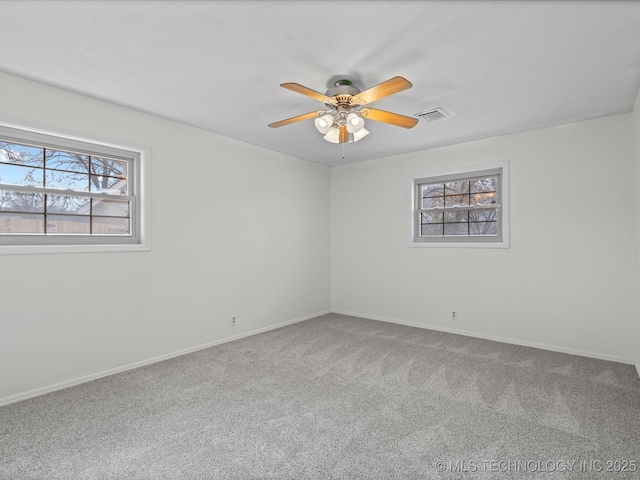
(81, 207)
(458, 206)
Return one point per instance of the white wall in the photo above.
(566, 283)
(226, 239)
(72, 316)
(636, 115)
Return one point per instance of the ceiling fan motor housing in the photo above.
(343, 91)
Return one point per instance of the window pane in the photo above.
(18, 175)
(430, 230)
(74, 162)
(54, 185)
(431, 217)
(21, 202)
(23, 223)
(432, 202)
(68, 224)
(456, 200)
(484, 185)
(67, 204)
(483, 215)
(432, 190)
(20, 154)
(106, 166)
(483, 198)
(456, 229)
(457, 216)
(108, 185)
(452, 188)
(483, 228)
(67, 180)
(111, 208)
(110, 226)
(458, 205)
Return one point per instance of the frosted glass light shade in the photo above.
(355, 123)
(324, 123)
(363, 132)
(333, 135)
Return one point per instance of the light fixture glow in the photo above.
(324, 123)
(333, 135)
(355, 123)
(330, 123)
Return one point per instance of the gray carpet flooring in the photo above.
(337, 397)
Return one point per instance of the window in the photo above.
(60, 193)
(461, 208)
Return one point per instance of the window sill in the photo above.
(38, 249)
(502, 244)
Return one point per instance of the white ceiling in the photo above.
(496, 67)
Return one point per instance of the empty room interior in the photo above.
(319, 239)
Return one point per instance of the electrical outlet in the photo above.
(454, 315)
(233, 320)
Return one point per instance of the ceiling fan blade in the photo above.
(388, 117)
(299, 118)
(384, 89)
(344, 134)
(296, 87)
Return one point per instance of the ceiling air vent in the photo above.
(433, 115)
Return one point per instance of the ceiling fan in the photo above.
(343, 121)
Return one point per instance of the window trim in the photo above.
(466, 241)
(138, 157)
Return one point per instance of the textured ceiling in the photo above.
(496, 67)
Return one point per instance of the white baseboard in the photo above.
(87, 378)
(524, 343)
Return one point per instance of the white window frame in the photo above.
(499, 241)
(138, 176)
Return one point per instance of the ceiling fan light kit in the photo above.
(324, 123)
(344, 120)
(355, 123)
(355, 136)
(333, 135)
